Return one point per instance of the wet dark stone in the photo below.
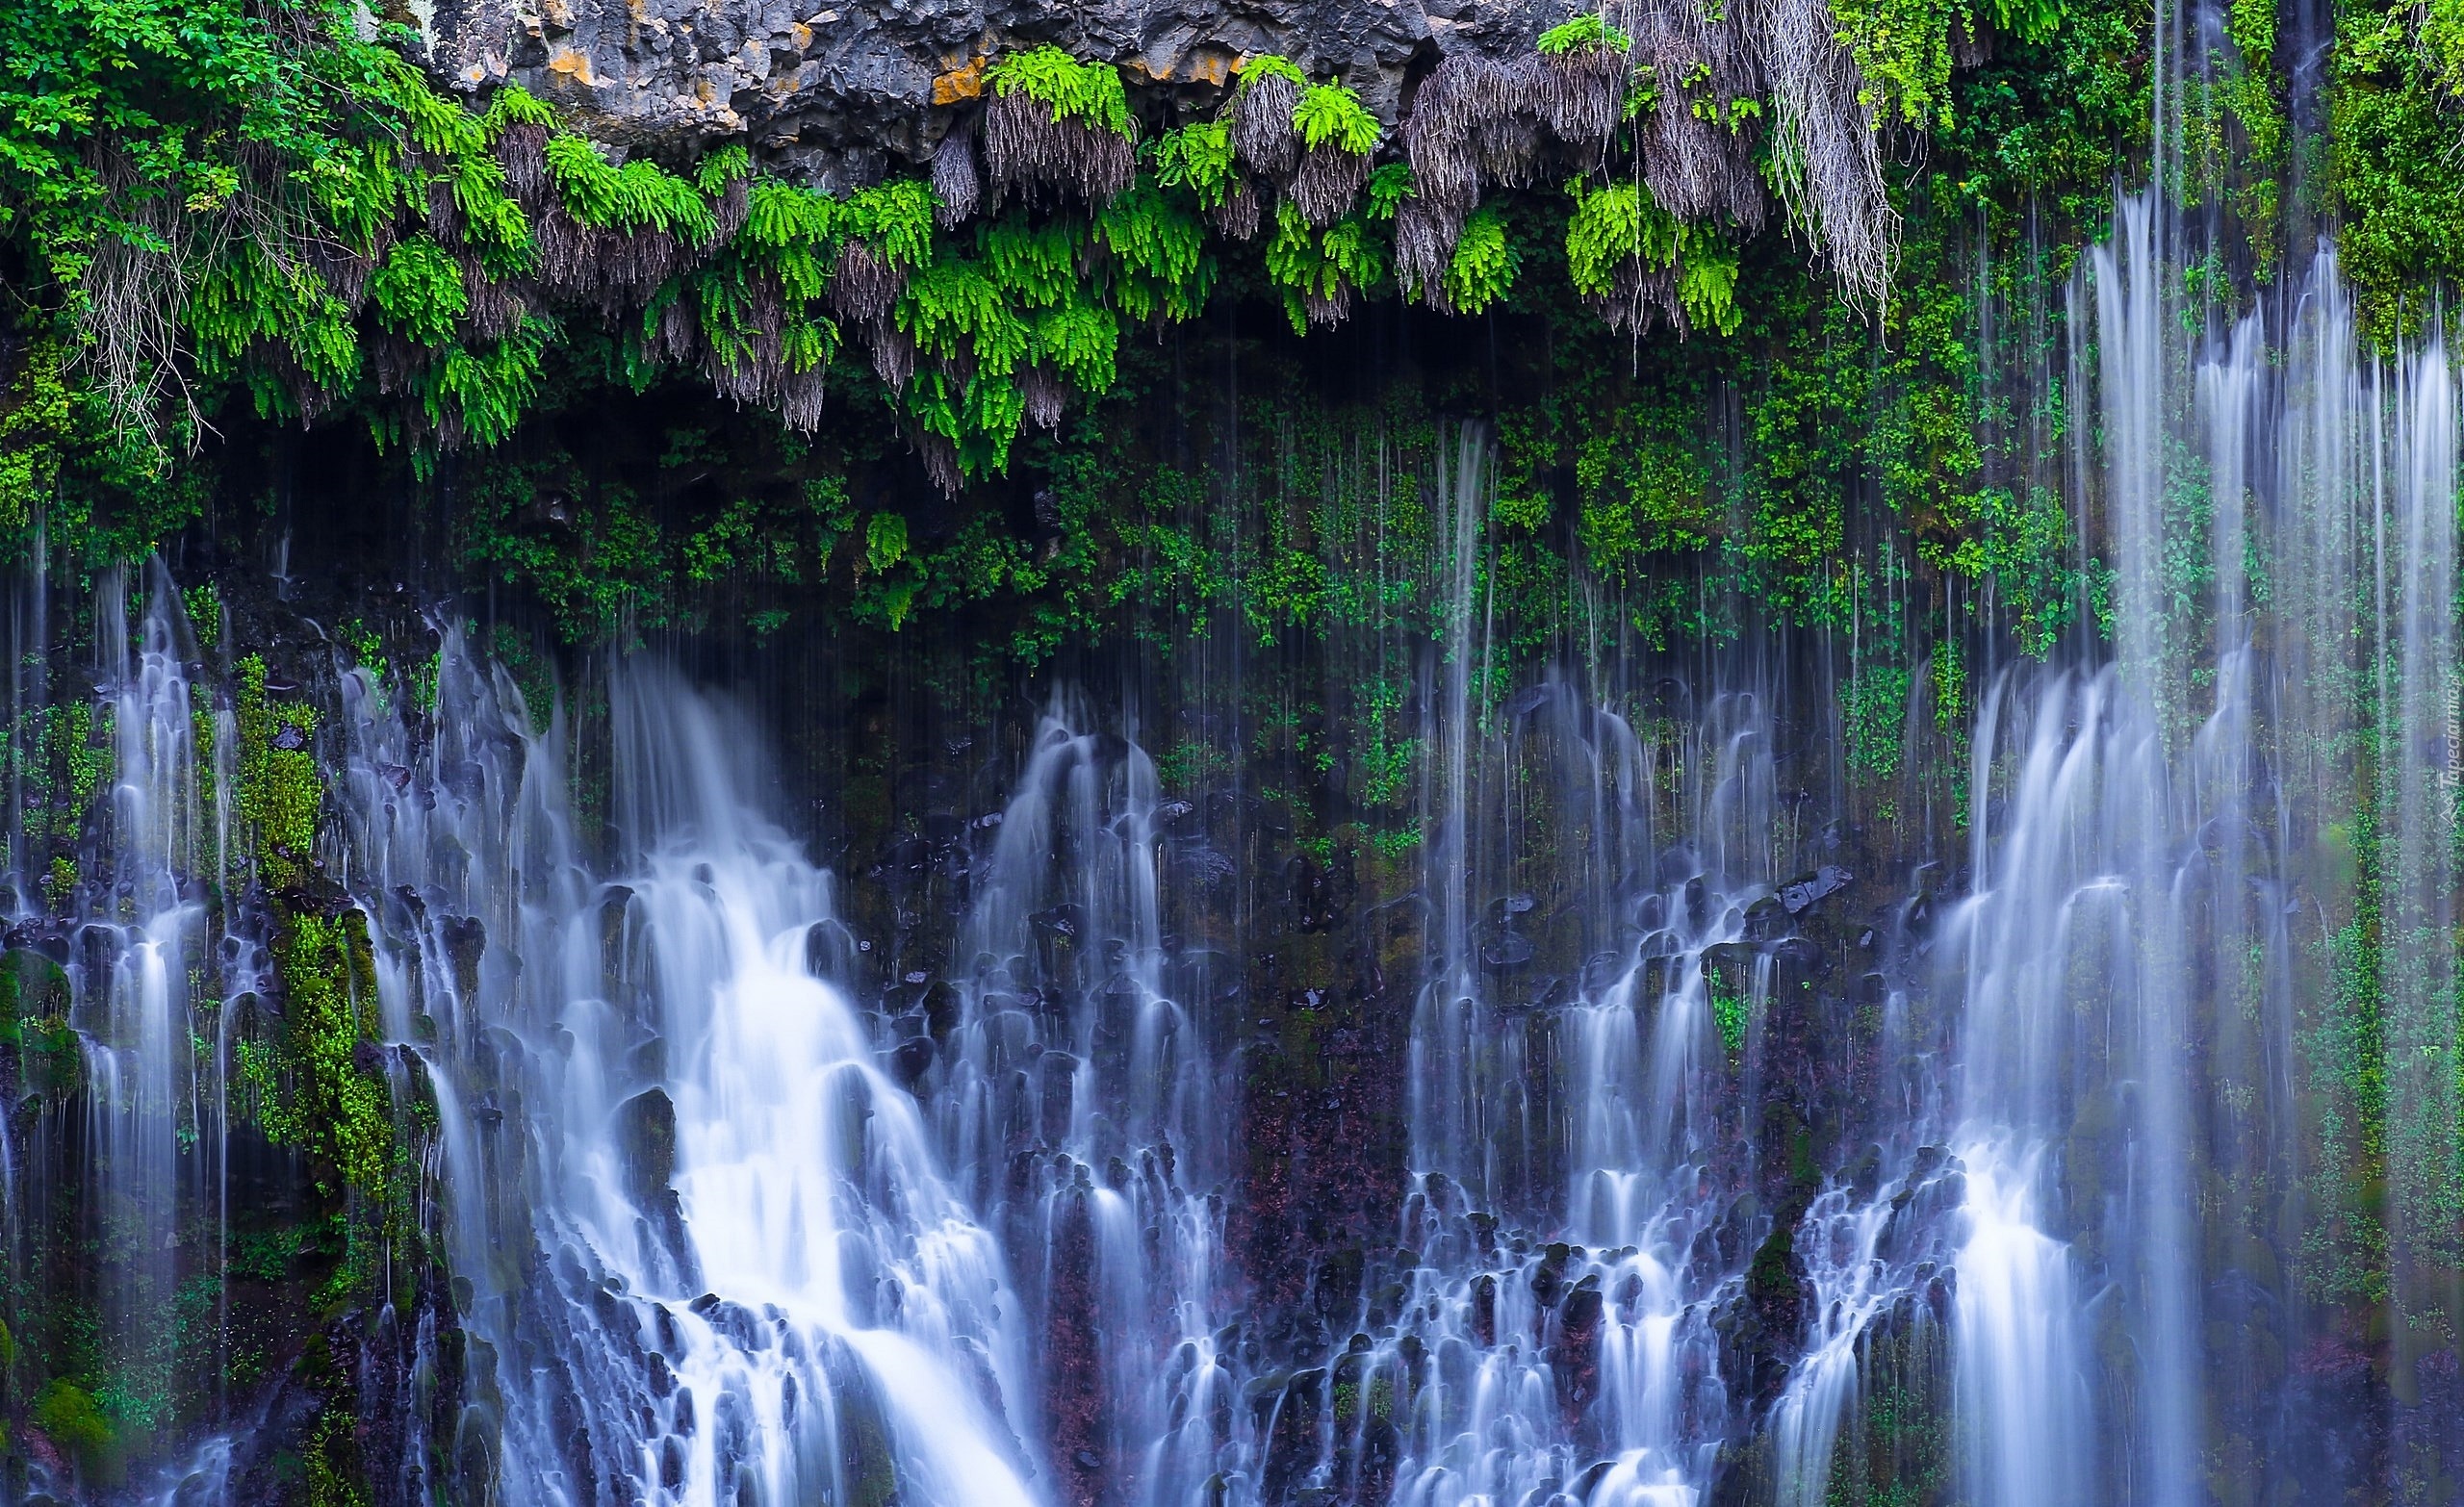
(1072, 1371)
(1059, 1073)
(646, 1142)
(1826, 881)
(1508, 950)
(466, 941)
(911, 1060)
(1574, 1350)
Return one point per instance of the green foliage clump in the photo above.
(419, 291)
(279, 788)
(1617, 224)
(1160, 270)
(2393, 170)
(71, 1418)
(321, 1101)
(1197, 158)
(1319, 272)
(1332, 115)
(1088, 92)
(1903, 52)
(639, 195)
(1269, 66)
(1484, 264)
(1588, 29)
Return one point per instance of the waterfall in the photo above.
(708, 1243)
(1751, 1131)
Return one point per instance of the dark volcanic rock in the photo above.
(832, 91)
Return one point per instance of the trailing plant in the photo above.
(1589, 30)
(1056, 123)
(1630, 256)
(1484, 264)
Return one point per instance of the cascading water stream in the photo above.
(730, 1217)
(1078, 1092)
(706, 1237)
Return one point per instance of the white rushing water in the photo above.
(744, 1208)
(708, 1241)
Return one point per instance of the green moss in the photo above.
(312, 1093)
(72, 1420)
(279, 788)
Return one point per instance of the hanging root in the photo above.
(1697, 166)
(894, 354)
(755, 369)
(1028, 145)
(1237, 217)
(1471, 121)
(1329, 308)
(444, 214)
(956, 180)
(1828, 149)
(1424, 238)
(495, 309)
(1642, 294)
(393, 362)
(863, 285)
(1581, 94)
(523, 152)
(1262, 132)
(1047, 393)
(729, 213)
(1328, 183)
(940, 463)
(1437, 135)
(1507, 135)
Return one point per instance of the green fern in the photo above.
(1330, 113)
(1088, 92)
(1618, 222)
(792, 231)
(1388, 187)
(1079, 339)
(640, 195)
(419, 292)
(1197, 158)
(896, 217)
(1588, 29)
(1484, 265)
(489, 389)
(1269, 66)
(952, 310)
(514, 105)
(1159, 263)
(1304, 264)
(1037, 265)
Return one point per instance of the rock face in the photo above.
(833, 90)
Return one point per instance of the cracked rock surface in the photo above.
(834, 91)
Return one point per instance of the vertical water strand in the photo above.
(2010, 953)
(2156, 1245)
(1075, 1053)
(2425, 1195)
(1445, 1039)
(142, 925)
(2230, 874)
(2321, 755)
